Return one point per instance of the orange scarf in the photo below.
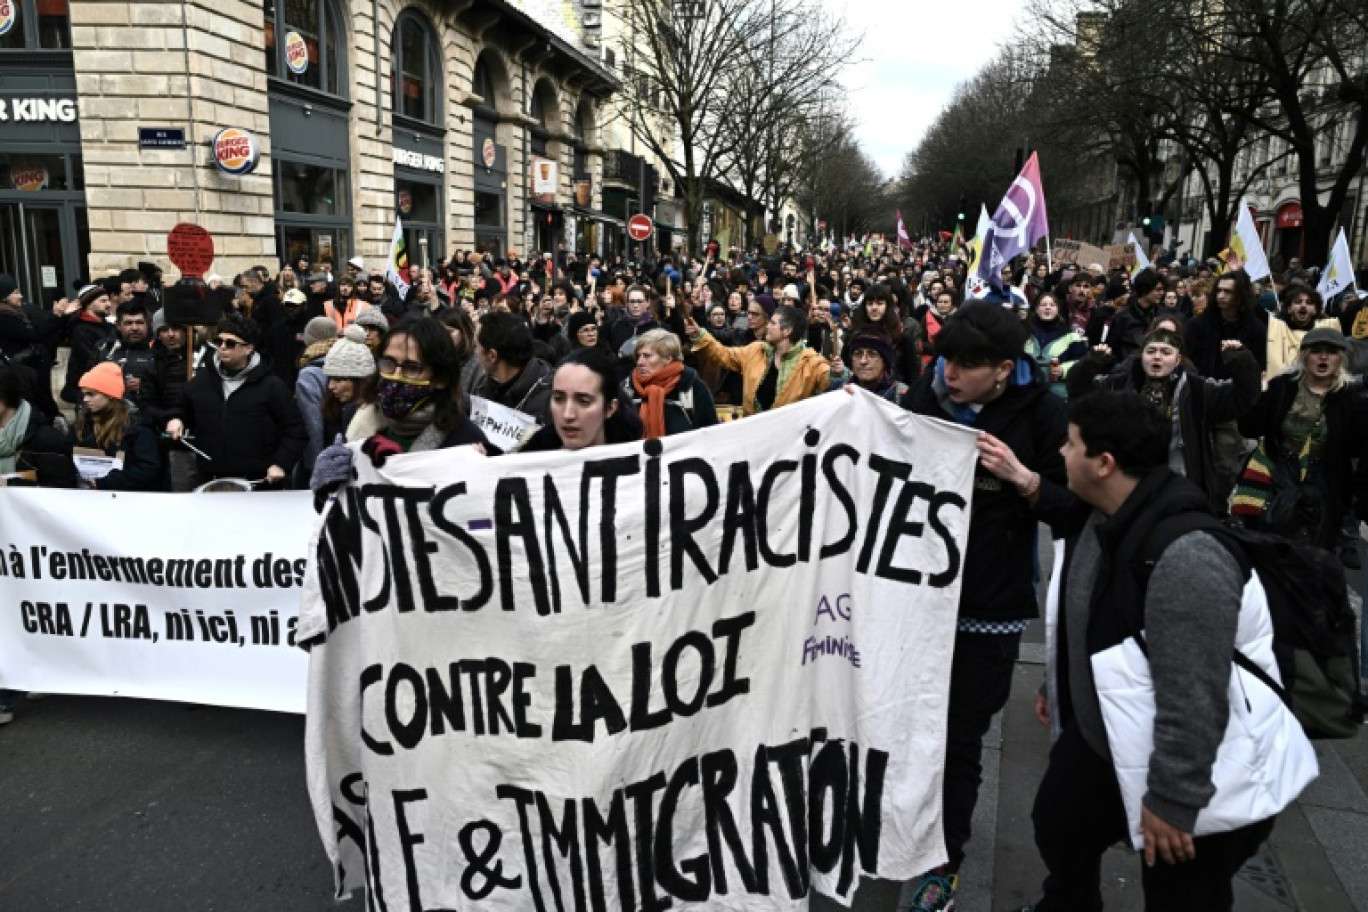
(653, 391)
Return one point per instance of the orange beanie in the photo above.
(105, 377)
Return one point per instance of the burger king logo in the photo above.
(405, 201)
(236, 151)
(296, 53)
(9, 14)
(30, 178)
(489, 153)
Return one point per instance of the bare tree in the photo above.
(680, 55)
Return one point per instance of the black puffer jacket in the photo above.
(998, 578)
(90, 339)
(1199, 405)
(1346, 417)
(247, 432)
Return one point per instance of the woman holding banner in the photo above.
(106, 423)
(585, 408)
(982, 379)
(419, 398)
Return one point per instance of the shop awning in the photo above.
(595, 215)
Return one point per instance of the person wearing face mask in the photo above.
(1301, 312)
(418, 396)
(1191, 403)
(1312, 422)
(243, 416)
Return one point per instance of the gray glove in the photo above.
(332, 468)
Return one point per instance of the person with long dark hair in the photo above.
(586, 408)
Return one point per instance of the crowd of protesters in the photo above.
(303, 361)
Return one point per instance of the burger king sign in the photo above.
(9, 15)
(236, 151)
(296, 53)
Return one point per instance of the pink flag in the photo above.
(904, 240)
(1019, 222)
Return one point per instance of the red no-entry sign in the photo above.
(639, 227)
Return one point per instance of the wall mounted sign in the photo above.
(38, 110)
(235, 151)
(296, 53)
(9, 15)
(419, 161)
(160, 137)
(30, 178)
(489, 153)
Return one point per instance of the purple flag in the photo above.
(1019, 222)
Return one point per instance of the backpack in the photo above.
(1314, 635)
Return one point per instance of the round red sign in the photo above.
(639, 227)
(191, 248)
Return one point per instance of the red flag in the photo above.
(904, 239)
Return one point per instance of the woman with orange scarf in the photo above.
(669, 397)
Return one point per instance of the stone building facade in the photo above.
(438, 112)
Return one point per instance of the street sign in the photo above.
(639, 227)
(161, 138)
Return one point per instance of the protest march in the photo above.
(699, 580)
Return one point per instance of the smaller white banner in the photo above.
(504, 427)
(93, 468)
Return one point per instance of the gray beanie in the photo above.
(372, 317)
(319, 329)
(349, 358)
(158, 321)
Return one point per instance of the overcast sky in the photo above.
(915, 53)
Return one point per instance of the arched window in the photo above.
(482, 84)
(305, 44)
(416, 74)
(35, 25)
(541, 109)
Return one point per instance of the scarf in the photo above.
(646, 317)
(11, 436)
(1158, 392)
(653, 391)
(404, 431)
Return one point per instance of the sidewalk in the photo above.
(1315, 861)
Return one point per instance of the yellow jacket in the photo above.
(811, 376)
(1284, 341)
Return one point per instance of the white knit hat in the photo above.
(349, 358)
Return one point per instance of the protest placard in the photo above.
(94, 602)
(503, 426)
(710, 669)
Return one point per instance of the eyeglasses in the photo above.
(230, 344)
(636, 300)
(409, 370)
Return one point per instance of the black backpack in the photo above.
(1314, 634)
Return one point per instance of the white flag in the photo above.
(397, 267)
(1339, 275)
(1141, 261)
(1247, 252)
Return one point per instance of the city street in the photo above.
(120, 805)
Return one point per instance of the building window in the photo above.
(304, 44)
(37, 25)
(416, 74)
(538, 129)
(489, 210)
(311, 189)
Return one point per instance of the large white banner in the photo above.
(190, 597)
(704, 672)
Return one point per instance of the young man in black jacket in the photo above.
(243, 416)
